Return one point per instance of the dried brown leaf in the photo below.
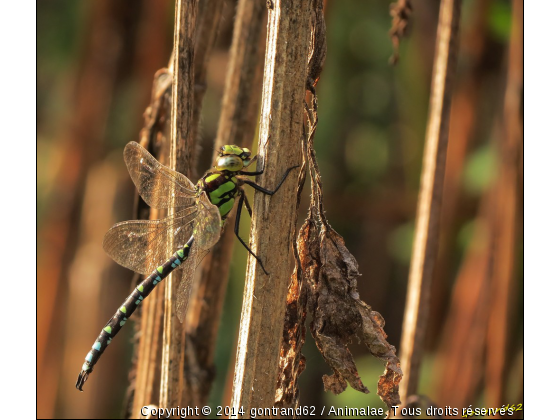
(324, 285)
(318, 45)
(375, 339)
(292, 361)
(324, 282)
(338, 315)
(400, 11)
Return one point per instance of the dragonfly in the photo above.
(200, 212)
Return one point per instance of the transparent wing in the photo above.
(182, 297)
(208, 226)
(207, 231)
(141, 245)
(159, 186)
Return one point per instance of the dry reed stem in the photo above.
(88, 283)
(81, 146)
(465, 127)
(237, 126)
(273, 217)
(181, 159)
(461, 352)
(207, 29)
(206, 33)
(154, 135)
(506, 213)
(429, 202)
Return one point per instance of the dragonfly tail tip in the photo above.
(82, 378)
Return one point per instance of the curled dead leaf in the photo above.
(401, 12)
(318, 45)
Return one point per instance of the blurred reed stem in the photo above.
(426, 234)
(207, 29)
(506, 210)
(81, 144)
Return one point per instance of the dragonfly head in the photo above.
(233, 158)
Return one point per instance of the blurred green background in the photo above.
(96, 62)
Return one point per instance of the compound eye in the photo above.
(229, 163)
(246, 153)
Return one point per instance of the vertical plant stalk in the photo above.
(157, 116)
(181, 159)
(236, 126)
(154, 135)
(292, 361)
(505, 217)
(81, 145)
(461, 351)
(207, 29)
(429, 201)
(206, 32)
(264, 298)
(465, 126)
(87, 283)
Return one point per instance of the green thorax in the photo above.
(221, 188)
(220, 184)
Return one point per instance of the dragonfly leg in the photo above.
(242, 200)
(247, 205)
(269, 192)
(252, 173)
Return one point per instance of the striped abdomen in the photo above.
(127, 309)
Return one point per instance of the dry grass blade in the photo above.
(154, 135)
(81, 145)
(429, 202)
(506, 218)
(207, 29)
(181, 160)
